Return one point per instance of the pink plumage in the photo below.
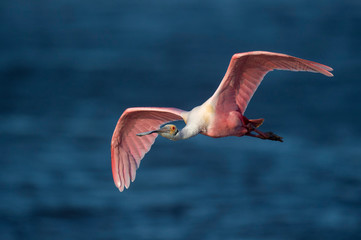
(127, 149)
(221, 115)
(246, 71)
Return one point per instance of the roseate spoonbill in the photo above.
(220, 116)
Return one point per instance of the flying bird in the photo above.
(221, 115)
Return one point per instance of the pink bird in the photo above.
(220, 116)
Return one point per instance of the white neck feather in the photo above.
(186, 132)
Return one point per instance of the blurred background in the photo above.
(68, 69)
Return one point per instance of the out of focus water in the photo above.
(68, 69)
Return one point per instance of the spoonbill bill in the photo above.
(221, 115)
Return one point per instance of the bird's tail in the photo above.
(256, 122)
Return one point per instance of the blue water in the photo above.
(68, 69)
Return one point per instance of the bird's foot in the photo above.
(266, 135)
(273, 137)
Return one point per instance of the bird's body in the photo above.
(206, 120)
(220, 116)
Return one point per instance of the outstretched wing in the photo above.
(246, 71)
(127, 149)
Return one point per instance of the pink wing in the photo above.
(127, 149)
(246, 71)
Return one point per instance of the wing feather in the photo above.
(247, 70)
(127, 149)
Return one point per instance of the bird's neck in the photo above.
(185, 133)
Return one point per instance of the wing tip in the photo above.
(121, 189)
(329, 74)
(325, 70)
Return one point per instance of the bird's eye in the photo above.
(173, 128)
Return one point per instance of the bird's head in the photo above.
(168, 131)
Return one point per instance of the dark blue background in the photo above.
(69, 68)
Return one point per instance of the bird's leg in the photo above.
(252, 124)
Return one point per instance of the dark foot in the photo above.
(273, 137)
(265, 136)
